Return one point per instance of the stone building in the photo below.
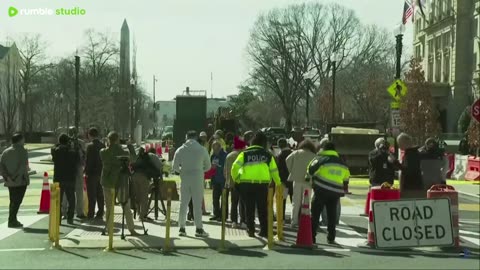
(447, 44)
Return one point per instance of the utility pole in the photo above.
(77, 92)
(334, 63)
(154, 117)
(307, 110)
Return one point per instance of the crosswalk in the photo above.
(351, 232)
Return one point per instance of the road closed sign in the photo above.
(412, 223)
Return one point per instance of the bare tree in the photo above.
(33, 55)
(419, 116)
(10, 83)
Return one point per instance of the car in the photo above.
(275, 133)
(167, 133)
(312, 134)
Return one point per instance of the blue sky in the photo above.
(180, 41)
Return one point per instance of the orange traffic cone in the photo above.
(159, 149)
(45, 197)
(304, 235)
(166, 148)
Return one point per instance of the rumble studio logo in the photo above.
(12, 12)
(76, 11)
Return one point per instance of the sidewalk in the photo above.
(89, 235)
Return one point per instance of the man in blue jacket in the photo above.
(218, 180)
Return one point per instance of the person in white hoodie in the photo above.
(297, 164)
(191, 160)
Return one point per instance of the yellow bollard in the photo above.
(56, 216)
(166, 244)
(224, 217)
(280, 218)
(270, 219)
(110, 220)
(51, 214)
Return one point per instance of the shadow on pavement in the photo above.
(35, 230)
(75, 254)
(310, 252)
(245, 253)
(129, 255)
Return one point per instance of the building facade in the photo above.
(447, 45)
(10, 89)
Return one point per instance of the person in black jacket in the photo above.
(65, 160)
(283, 170)
(411, 182)
(93, 171)
(380, 169)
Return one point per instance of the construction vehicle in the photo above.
(354, 145)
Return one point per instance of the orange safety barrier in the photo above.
(473, 169)
(447, 191)
(385, 192)
(367, 203)
(451, 164)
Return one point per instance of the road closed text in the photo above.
(407, 232)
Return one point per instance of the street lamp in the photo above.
(154, 117)
(308, 81)
(398, 32)
(77, 92)
(132, 120)
(336, 57)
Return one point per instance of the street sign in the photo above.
(394, 105)
(476, 110)
(413, 223)
(395, 118)
(397, 90)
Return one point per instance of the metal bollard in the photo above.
(58, 216)
(280, 217)
(110, 220)
(224, 217)
(166, 245)
(270, 219)
(51, 216)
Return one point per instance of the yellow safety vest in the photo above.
(255, 165)
(329, 172)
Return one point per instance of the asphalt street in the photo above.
(30, 248)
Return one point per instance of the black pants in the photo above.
(330, 201)
(237, 203)
(217, 190)
(95, 196)
(69, 191)
(255, 195)
(288, 185)
(16, 198)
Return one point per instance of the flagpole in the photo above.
(211, 84)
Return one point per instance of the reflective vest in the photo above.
(329, 172)
(255, 165)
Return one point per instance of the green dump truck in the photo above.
(354, 144)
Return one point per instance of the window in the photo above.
(446, 40)
(430, 47)
(430, 71)
(448, 7)
(440, 9)
(438, 43)
(438, 69)
(475, 61)
(418, 54)
(475, 27)
(446, 69)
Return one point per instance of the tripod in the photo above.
(124, 191)
(156, 197)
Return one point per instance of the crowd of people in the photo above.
(244, 165)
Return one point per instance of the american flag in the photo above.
(407, 11)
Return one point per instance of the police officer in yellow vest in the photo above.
(253, 171)
(330, 179)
